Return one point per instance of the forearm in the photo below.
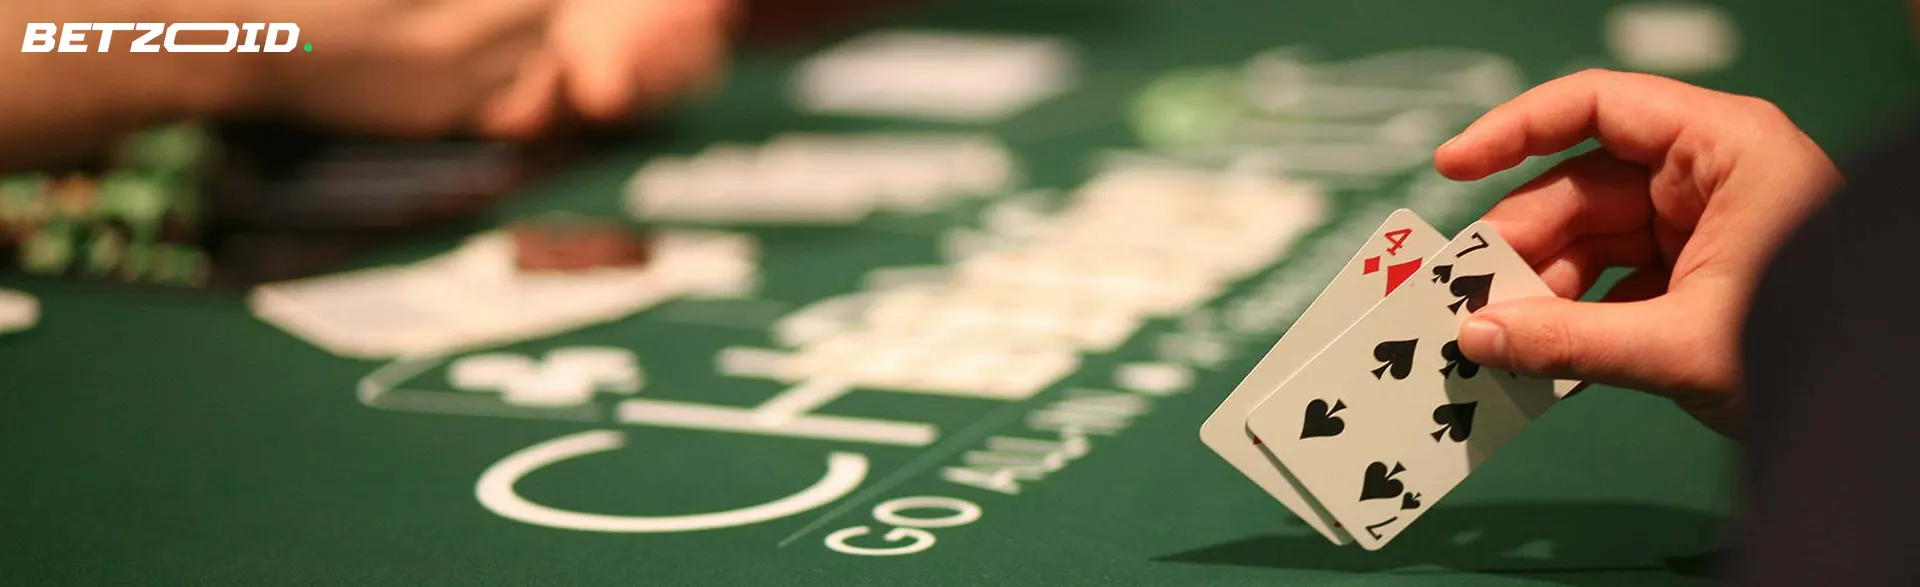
(60, 107)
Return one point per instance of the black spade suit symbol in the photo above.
(1455, 420)
(1379, 482)
(1321, 421)
(1396, 356)
(1471, 291)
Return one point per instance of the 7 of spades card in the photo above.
(1391, 416)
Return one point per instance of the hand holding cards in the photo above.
(1366, 413)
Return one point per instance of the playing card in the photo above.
(359, 314)
(493, 303)
(1391, 416)
(474, 298)
(1392, 255)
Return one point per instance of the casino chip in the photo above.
(18, 311)
(569, 244)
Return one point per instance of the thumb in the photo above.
(1661, 346)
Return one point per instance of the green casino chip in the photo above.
(22, 198)
(113, 225)
(141, 201)
(104, 252)
(139, 261)
(49, 250)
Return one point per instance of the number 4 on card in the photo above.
(1396, 273)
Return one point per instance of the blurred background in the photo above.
(242, 168)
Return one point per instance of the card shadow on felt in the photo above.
(1579, 544)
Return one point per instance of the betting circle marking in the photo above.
(495, 491)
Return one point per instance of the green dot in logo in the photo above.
(308, 47)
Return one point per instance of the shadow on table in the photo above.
(1571, 544)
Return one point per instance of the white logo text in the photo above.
(155, 37)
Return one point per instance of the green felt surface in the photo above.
(153, 439)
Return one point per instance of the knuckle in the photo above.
(1762, 109)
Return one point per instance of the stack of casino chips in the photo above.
(138, 220)
(232, 204)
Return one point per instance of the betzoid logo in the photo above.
(156, 37)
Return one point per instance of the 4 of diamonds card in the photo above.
(1392, 255)
(1391, 416)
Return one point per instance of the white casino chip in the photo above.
(18, 311)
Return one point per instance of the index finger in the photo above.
(1636, 117)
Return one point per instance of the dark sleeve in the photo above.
(1833, 376)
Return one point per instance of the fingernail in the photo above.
(1443, 146)
(1482, 339)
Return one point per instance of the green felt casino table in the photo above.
(173, 439)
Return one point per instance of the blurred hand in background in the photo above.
(501, 68)
(402, 68)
